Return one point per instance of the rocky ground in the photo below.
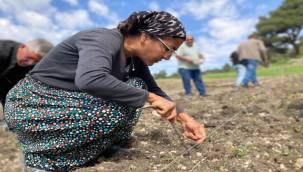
(254, 129)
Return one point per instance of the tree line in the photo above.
(281, 29)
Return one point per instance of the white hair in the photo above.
(39, 46)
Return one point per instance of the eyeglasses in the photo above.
(167, 48)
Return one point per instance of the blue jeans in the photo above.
(251, 67)
(241, 70)
(195, 74)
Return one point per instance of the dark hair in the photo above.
(130, 26)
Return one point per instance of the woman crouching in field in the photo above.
(85, 95)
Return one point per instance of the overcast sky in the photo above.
(217, 25)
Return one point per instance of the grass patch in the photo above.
(278, 69)
(242, 150)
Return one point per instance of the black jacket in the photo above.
(235, 59)
(10, 71)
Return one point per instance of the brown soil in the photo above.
(254, 129)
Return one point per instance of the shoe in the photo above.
(188, 96)
(237, 88)
(257, 85)
(203, 96)
(129, 143)
(116, 150)
(31, 169)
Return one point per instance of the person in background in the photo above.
(16, 59)
(239, 67)
(189, 61)
(87, 94)
(252, 51)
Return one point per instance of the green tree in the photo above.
(160, 74)
(227, 67)
(174, 75)
(283, 26)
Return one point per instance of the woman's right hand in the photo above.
(164, 107)
(192, 128)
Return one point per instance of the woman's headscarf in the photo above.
(161, 24)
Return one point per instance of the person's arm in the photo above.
(239, 50)
(184, 58)
(5, 54)
(180, 55)
(93, 73)
(2, 58)
(192, 129)
(200, 60)
(263, 52)
(144, 73)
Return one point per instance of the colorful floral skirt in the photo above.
(59, 129)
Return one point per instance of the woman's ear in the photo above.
(144, 38)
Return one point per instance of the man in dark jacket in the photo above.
(16, 59)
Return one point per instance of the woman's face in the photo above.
(153, 50)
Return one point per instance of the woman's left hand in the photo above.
(192, 129)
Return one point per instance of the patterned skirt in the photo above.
(59, 129)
